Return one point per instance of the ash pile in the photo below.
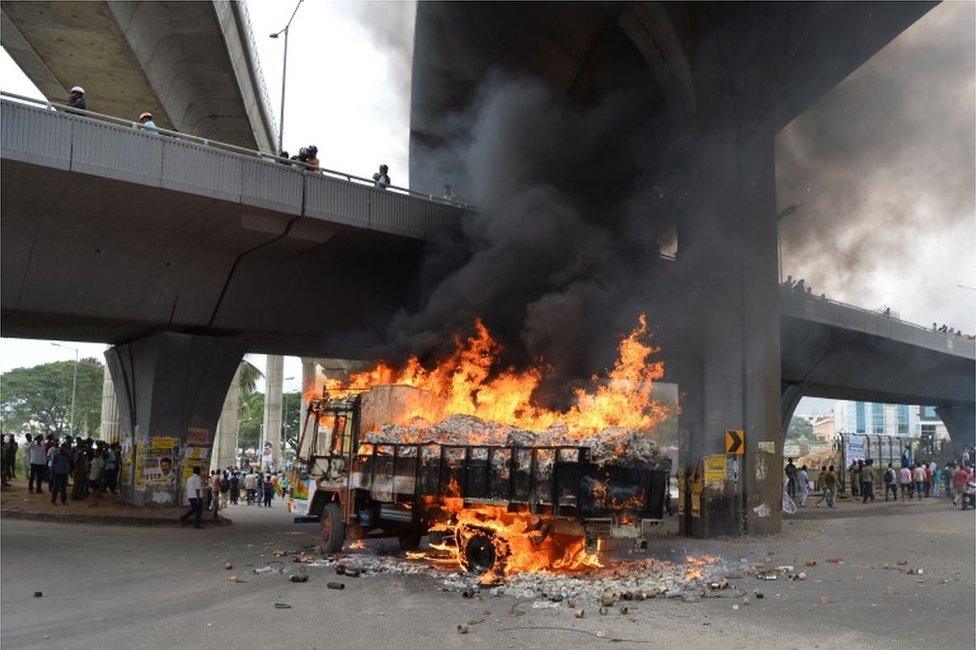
(610, 446)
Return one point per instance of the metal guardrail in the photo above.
(286, 163)
(866, 320)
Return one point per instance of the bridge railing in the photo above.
(288, 164)
(870, 321)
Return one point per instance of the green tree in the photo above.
(292, 419)
(248, 378)
(800, 429)
(40, 396)
(250, 421)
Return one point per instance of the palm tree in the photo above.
(248, 377)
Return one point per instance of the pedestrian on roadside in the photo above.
(259, 488)
(96, 474)
(790, 478)
(60, 468)
(224, 489)
(268, 491)
(907, 481)
(193, 490)
(820, 478)
(928, 479)
(867, 481)
(803, 479)
(27, 441)
(381, 179)
(38, 461)
(250, 488)
(111, 468)
(235, 488)
(891, 483)
(947, 480)
(830, 486)
(11, 457)
(919, 476)
(959, 479)
(4, 465)
(215, 491)
(79, 474)
(854, 479)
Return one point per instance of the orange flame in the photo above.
(469, 383)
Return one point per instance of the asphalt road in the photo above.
(119, 587)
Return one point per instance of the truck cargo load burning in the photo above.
(462, 451)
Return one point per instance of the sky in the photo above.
(906, 116)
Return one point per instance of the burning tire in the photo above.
(481, 551)
(333, 529)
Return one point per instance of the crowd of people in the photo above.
(912, 480)
(91, 466)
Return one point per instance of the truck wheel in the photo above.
(410, 541)
(480, 555)
(333, 529)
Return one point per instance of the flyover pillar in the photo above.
(170, 388)
(274, 382)
(225, 441)
(960, 421)
(109, 429)
(730, 370)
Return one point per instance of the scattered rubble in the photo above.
(282, 606)
(298, 577)
(336, 585)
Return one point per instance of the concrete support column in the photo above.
(170, 389)
(109, 429)
(225, 442)
(730, 375)
(960, 421)
(273, 381)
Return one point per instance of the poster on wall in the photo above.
(197, 437)
(199, 456)
(125, 473)
(853, 449)
(140, 481)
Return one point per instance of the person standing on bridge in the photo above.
(381, 178)
(146, 123)
(790, 478)
(312, 156)
(76, 98)
(194, 498)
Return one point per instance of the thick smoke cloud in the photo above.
(554, 271)
(884, 168)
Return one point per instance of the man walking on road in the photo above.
(803, 478)
(867, 482)
(194, 497)
(919, 475)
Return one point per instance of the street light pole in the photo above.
(74, 385)
(284, 76)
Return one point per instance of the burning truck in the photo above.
(460, 454)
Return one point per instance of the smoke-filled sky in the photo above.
(884, 168)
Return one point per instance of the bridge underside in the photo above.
(94, 259)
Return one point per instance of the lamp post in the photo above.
(284, 75)
(74, 384)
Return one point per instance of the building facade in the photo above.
(871, 418)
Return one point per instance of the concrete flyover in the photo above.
(191, 64)
(708, 87)
(838, 351)
(184, 255)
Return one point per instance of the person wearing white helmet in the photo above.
(146, 120)
(76, 97)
